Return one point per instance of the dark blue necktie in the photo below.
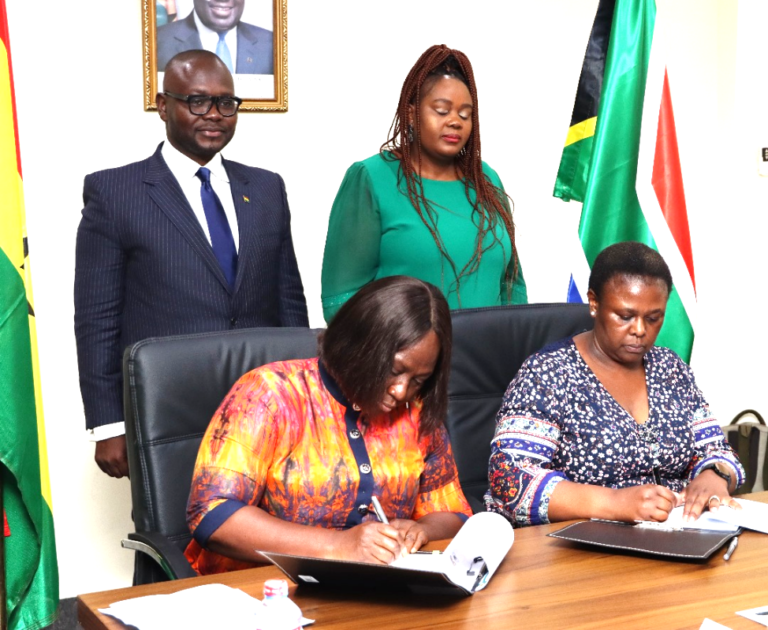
(218, 226)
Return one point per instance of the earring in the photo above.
(410, 132)
(407, 405)
(592, 313)
(355, 407)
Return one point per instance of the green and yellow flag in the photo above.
(31, 574)
(573, 172)
(622, 161)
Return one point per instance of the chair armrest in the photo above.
(170, 558)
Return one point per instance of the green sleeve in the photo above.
(351, 258)
(519, 292)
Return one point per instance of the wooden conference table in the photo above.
(543, 583)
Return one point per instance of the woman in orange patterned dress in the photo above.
(305, 444)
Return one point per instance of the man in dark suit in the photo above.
(157, 247)
(215, 25)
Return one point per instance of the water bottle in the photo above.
(280, 613)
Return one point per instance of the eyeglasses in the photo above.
(200, 105)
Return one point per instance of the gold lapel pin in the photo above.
(246, 200)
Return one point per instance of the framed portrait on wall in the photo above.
(250, 36)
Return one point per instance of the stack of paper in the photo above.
(208, 606)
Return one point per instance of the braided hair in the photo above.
(491, 204)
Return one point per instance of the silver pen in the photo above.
(379, 511)
(731, 548)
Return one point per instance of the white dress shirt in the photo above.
(210, 39)
(184, 169)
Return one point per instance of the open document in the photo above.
(473, 555)
(466, 565)
(752, 515)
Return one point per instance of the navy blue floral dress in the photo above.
(559, 422)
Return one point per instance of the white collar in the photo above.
(210, 38)
(184, 167)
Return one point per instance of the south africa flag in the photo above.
(621, 158)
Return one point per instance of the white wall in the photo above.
(79, 97)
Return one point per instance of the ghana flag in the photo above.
(31, 574)
(621, 158)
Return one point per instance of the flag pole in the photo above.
(3, 610)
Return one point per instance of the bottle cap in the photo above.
(275, 588)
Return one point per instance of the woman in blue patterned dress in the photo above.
(605, 424)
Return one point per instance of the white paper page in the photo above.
(708, 624)
(207, 606)
(759, 614)
(486, 535)
(705, 521)
(752, 515)
(423, 561)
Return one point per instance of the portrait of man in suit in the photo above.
(182, 242)
(216, 26)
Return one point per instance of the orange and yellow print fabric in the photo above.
(280, 441)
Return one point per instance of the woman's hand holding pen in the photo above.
(411, 535)
(370, 542)
(644, 503)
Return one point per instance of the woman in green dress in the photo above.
(426, 205)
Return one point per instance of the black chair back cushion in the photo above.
(489, 346)
(172, 387)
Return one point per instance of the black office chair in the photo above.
(172, 388)
(174, 385)
(489, 346)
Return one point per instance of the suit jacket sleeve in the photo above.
(293, 306)
(99, 294)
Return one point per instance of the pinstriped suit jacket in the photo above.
(144, 268)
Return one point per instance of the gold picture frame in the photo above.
(254, 89)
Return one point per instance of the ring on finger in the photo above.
(714, 496)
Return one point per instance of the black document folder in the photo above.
(319, 572)
(686, 544)
(465, 567)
